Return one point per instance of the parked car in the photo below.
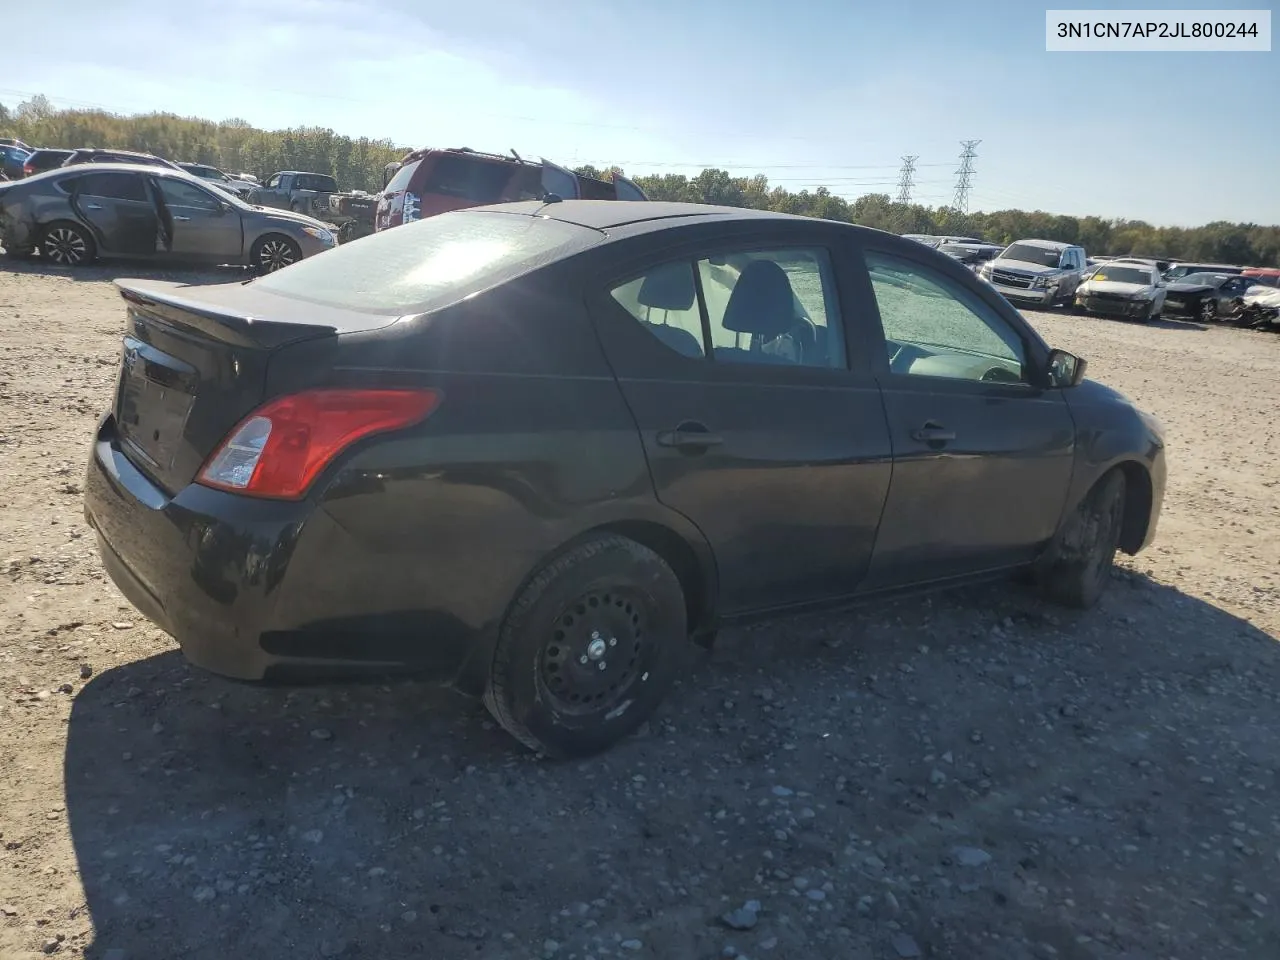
(295, 190)
(1265, 276)
(1041, 272)
(428, 182)
(241, 188)
(527, 476)
(1182, 269)
(1123, 288)
(972, 255)
(74, 215)
(14, 142)
(44, 159)
(94, 155)
(11, 161)
(1205, 296)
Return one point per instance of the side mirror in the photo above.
(1065, 369)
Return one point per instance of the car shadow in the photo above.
(215, 819)
(194, 274)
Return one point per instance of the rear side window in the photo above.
(112, 186)
(401, 180)
(430, 263)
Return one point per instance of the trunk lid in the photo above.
(194, 363)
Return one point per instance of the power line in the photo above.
(965, 174)
(907, 179)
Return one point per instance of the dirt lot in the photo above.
(973, 775)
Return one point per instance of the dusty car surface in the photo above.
(74, 215)
(1041, 272)
(536, 450)
(1123, 288)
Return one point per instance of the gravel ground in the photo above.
(969, 775)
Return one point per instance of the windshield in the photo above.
(430, 263)
(1027, 253)
(1123, 275)
(1206, 279)
(316, 181)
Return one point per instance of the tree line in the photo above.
(357, 163)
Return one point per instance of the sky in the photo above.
(807, 92)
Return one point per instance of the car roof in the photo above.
(148, 168)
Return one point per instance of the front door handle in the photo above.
(689, 436)
(182, 219)
(933, 433)
(93, 206)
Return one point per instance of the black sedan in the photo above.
(538, 449)
(1204, 296)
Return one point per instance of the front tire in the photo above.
(1208, 310)
(589, 649)
(274, 252)
(1077, 569)
(67, 244)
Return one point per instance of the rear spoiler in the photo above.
(229, 326)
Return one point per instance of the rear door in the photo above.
(563, 183)
(119, 210)
(201, 226)
(982, 454)
(758, 428)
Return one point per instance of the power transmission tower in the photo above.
(906, 180)
(965, 175)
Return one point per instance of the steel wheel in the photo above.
(66, 245)
(275, 253)
(1208, 309)
(595, 652)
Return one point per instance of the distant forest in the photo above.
(357, 163)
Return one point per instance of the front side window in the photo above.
(933, 327)
(756, 307)
(179, 194)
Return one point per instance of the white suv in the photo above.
(1041, 272)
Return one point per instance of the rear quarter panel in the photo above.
(531, 447)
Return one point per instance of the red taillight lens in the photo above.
(279, 449)
(28, 169)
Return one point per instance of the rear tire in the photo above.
(589, 648)
(1077, 569)
(274, 252)
(67, 244)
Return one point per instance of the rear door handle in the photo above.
(182, 219)
(689, 436)
(93, 206)
(933, 433)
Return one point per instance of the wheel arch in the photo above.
(689, 557)
(1138, 494)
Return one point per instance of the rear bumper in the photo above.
(255, 589)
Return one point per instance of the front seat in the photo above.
(764, 305)
(670, 287)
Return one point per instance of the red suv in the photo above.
(429, 181)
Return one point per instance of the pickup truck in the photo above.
(294, 190)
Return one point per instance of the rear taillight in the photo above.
(28, 169)
(279, 449)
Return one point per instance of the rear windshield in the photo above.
(430, 263)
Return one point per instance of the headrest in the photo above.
(668, 287)
(762, 301)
